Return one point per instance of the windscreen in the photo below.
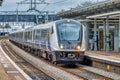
(69, 31)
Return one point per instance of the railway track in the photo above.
(33, 72)
(85, 73)
(78, 70)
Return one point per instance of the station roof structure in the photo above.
(22, 12)
(110, 14)
(1, 2)
(98, 8)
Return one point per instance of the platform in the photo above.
(109, 61)
(112, 56)
(9, 70)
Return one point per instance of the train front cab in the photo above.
(70, 38)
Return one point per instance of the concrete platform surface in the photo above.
(115, 56)
(8, 69)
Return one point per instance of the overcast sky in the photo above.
(56, 5)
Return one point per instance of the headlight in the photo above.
(61, 46)
(78, 47)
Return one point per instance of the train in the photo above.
(61, 42)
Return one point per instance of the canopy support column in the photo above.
(104, 31)
(95, 34)
(107, 34)
(119, 34)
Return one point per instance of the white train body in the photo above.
(62, 41)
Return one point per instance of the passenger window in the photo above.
(37, 35)
(52, 30)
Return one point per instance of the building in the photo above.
(16, 20)
(23, 19)
(1, 1)
(102, 23)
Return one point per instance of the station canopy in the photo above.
(114, 14)
(94, 9)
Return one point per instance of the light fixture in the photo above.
(61, 46)
(78, 47)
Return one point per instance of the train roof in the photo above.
(29, 28)
(48, 25)
(43, 26)
(17, 31)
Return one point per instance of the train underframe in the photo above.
(68, 57)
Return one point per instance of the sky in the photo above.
(55, 5)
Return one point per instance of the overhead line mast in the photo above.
(33, 7)
(33, 4)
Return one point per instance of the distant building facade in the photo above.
(1, 1)
(22, 19)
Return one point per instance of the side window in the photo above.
(52, 30)
(34, 34)
(37, 34)
(25, 35)
(30, 36)
(41, 35)
(44, 35)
